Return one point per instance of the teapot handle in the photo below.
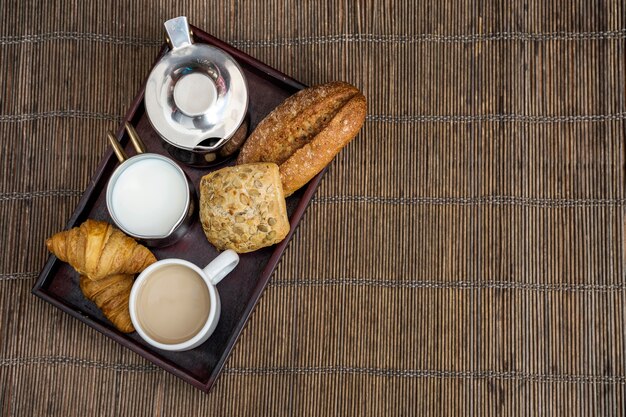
(178, 32)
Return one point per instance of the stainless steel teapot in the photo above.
(197, 99)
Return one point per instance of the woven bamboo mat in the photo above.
(463, 256)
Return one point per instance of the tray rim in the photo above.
(265, 274)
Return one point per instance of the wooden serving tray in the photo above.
(239, 292)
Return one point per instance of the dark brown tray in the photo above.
(239, 292)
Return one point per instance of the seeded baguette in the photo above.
(310, 127)
(310, 159)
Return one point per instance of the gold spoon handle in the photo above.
(134, 138)
(117, 148)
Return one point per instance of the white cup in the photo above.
(212, 274)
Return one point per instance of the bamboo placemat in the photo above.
(463, 256)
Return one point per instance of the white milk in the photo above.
(149, 197)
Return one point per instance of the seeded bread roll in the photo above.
(304, 133)
(243, 207)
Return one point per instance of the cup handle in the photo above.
(219, 267)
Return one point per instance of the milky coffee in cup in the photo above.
(173, 305)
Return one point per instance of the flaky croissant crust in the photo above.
(111, 295)
(97, 249)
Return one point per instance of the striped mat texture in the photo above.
(463, 256)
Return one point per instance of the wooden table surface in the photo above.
(463, 256)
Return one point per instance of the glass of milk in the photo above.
(150, 198)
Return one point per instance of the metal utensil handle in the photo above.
(134, 138)
(117, 148)
(178, 32)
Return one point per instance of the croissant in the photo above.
(111, 295)
(97, 249)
